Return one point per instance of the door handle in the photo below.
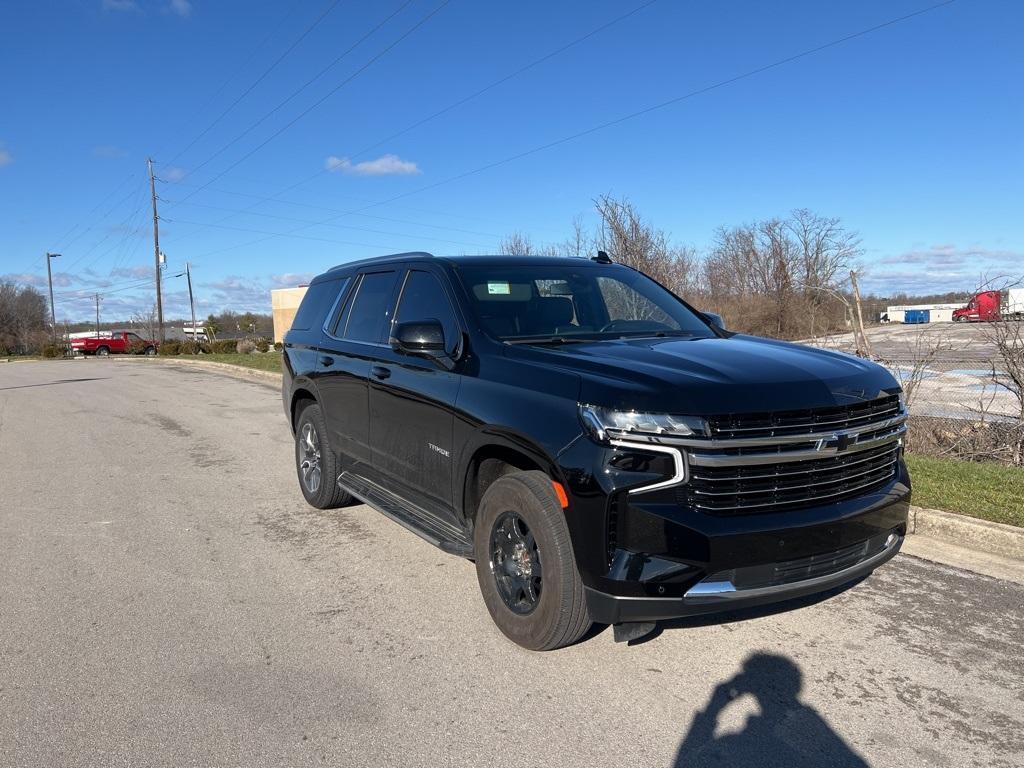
(326, 361)
(380, 372)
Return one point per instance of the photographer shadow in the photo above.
(786, 732)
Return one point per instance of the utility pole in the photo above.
(49, 278)
(97, 315)
(191, 302)
(860, 316)
(156, 250)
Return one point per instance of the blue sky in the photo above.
(911, 134)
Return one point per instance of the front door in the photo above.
(412, 403)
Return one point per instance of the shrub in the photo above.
(245, 347)
(136, 347)
(172, 347)
(226, 347)
(262, 345)
(189, 347)
(278, 346)
(53, 350)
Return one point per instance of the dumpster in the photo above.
(913, 316)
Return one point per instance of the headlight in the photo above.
(607, 422)
(903, 401)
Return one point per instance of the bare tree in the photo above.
(146, 321)
(24, 318)
(630, 240)
(517, 244)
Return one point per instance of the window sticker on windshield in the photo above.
(502, 289)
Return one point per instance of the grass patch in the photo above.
(268, 361)
(987, 491)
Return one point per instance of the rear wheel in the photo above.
(525, 564)
(150, 351)
(103, 351)
(315, 462)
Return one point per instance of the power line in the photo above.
(618, 121)
(261, 78)
(526, 67)
(326, 96)
(311, 206)
(287, 234)
(303, 87)
(237, 211)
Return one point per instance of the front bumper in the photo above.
(718, 593)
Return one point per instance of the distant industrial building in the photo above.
(919, 313)
(285, 303)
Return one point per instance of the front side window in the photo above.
(370, 308)
(566, 301)
(423, 298)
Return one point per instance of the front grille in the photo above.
(809, 421)
(801, 569)
(745, 489)
(768, 462)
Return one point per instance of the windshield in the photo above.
(563, 302)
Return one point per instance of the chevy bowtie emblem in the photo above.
(840, 441)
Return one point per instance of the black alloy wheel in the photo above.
(515, 563)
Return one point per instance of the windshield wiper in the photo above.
(654, 334)
(548, 340)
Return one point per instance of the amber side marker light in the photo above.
(560, 493)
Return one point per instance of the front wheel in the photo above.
(102, 352)
(315, 462)
(150, 351)
(525, 564)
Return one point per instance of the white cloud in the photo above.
(6, 158)
(941, 268)
(120, 5)
(291, 279)
(173, 174)
(109, 152)
(182, 8)
(132, 272)
(385, 165)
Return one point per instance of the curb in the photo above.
(982, 535)
(236, 371)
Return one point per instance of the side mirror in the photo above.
(715, 320)
(424, 338)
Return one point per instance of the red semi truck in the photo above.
(988, 306)
(111, 343)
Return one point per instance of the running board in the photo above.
(440, 533)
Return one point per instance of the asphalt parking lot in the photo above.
(169, 599)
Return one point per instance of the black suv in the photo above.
(603, 451)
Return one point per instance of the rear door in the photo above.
(352, 341)
(412, 401)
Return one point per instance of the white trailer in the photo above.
(1014, 306)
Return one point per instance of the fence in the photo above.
(962, 408)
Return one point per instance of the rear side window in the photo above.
(371, 307)
(315, 304)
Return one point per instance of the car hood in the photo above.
(708, 376)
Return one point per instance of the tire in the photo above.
(150, 351)
(543, 612)
(311, 446)
(102, 351)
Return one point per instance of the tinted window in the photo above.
(423, 298)
(331, 325)
(567, 300)
(314, 305)
(370, 307)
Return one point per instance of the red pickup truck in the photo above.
(111, 343)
